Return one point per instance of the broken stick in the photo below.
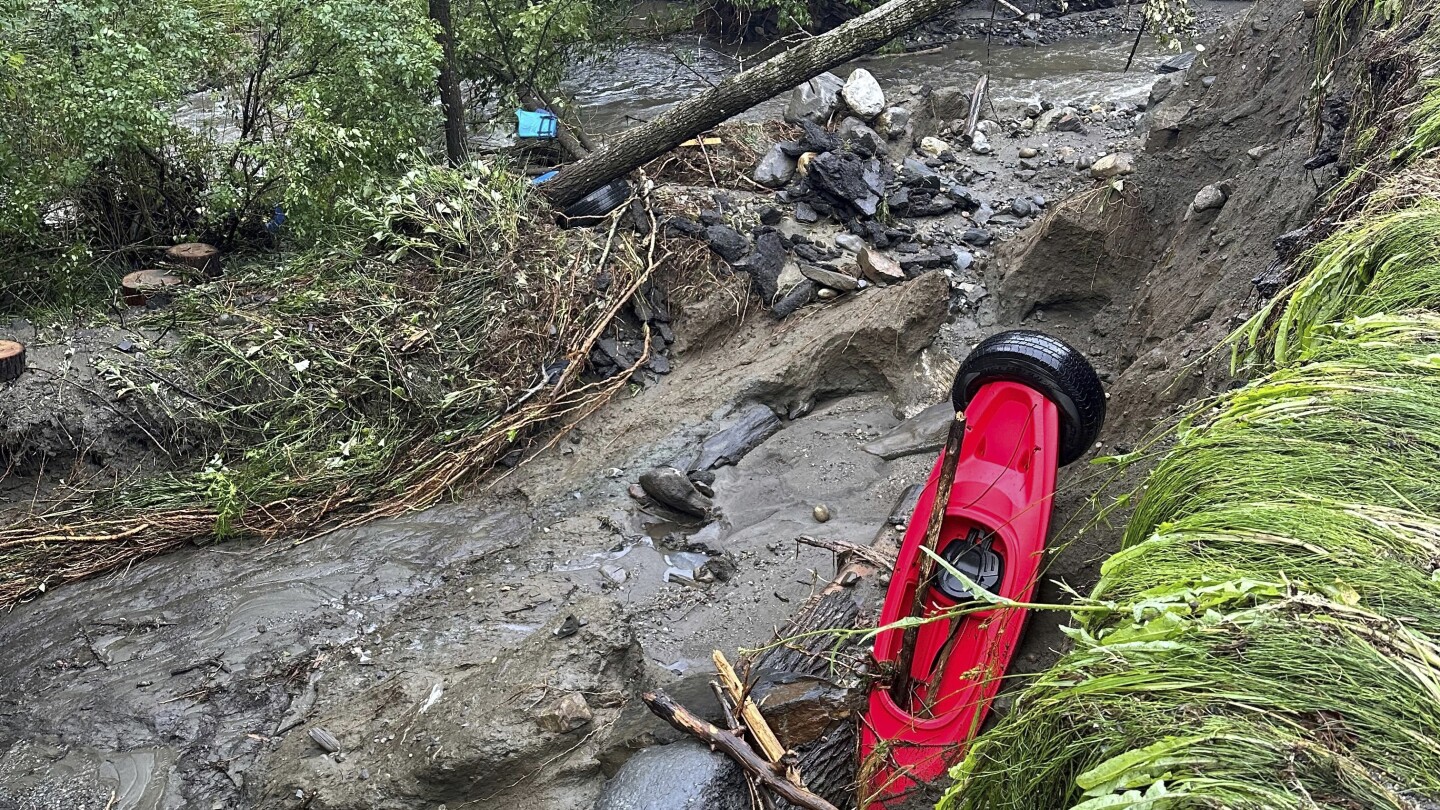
(732, 746)
(750, 715)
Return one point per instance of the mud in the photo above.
(447, 652)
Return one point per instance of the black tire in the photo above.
(1050, 366)
(593, 207)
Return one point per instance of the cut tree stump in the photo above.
(137, 288)
(202, 257)
(12, 360)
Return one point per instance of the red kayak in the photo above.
(1031, 404)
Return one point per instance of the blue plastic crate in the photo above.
(537, 124)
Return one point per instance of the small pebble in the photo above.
(822, 513)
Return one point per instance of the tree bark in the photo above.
(449, 83)
(740, 92)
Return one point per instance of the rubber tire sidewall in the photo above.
(1054, 368)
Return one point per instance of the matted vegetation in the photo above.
(1269, 635)
(340, 385)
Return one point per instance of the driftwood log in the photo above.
(732, 746)
(702, 112)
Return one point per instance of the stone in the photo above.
(1028, 152)
(1029, 165)
(1258, 153)
(771, 215)
(669, 487)
(879, 268)
(830, 278)
(1209, 198)
(922, 433)
(755, 424)
(862, 94)
(815, 100)
(827, 293)
(964, 259)
(1022, 207)
(728, 243)
(1207, 81)
(892, 122)
(1177, 63)
(980, 144)
(821, 513)
(850, 242)
(684, 775)
(845, 177)
(615, 573)
(815, 138)
(933, 147)
(1116, 164)
(798, 296)
(1160, 90)
(805, 213)
(775, 169)
(765, 265)
(861, 138)
(1069, 122)
(978, 237)
(565, 715)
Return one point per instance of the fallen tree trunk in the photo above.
(740, 92)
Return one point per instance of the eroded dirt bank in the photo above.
(439, 651)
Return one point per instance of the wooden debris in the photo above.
(200, 256)
(12, 360)
(732, 746)
(750, 715)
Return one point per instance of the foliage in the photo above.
(509, 48)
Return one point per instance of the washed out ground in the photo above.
(439, 649)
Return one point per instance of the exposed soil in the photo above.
(441, 649)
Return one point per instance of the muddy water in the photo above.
(638, 82)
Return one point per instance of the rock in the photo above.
(1022, 207)
(771, 215)
(978, 237)
(728, 243)
(980, 145)
(1160, 90)
(850, 242)
(815, 138)
(861, 138)
(615, 573)
(805, 213)
(862, 94)
(921, 433)
(1113, 165)
(755, 424)
(765, 265)
(1028, 152)
(1069, 122)
(830, 278)
(964, 259)
(933, 147)
(325, 740)
(815, 100)
(1029, 165)
(845, 177)
(669, 487)
(798, 296)
(893, 121)
(684, 775)
(1048, 118)
(821, 513)
(1209, 198)
(915, 263)
(1207, 81)
(1258, 153)
(826, 293)
(565, 715)
(775, 169)
(1177, 63)
(879, 268)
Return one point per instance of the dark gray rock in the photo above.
(669, 487)
(845, 178)
(799, 295)
(817, 139)
(1177, 63)
(921, 433)
(850, 242)
(814, 100)
(977, 236)
(861, 138)
(765, 265)
(728, 243)
(684, 775)
(806, 213)
(775, 169)
(754, 425)
(1022, 207)
(771, 215)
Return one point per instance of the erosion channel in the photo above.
(489, 652)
